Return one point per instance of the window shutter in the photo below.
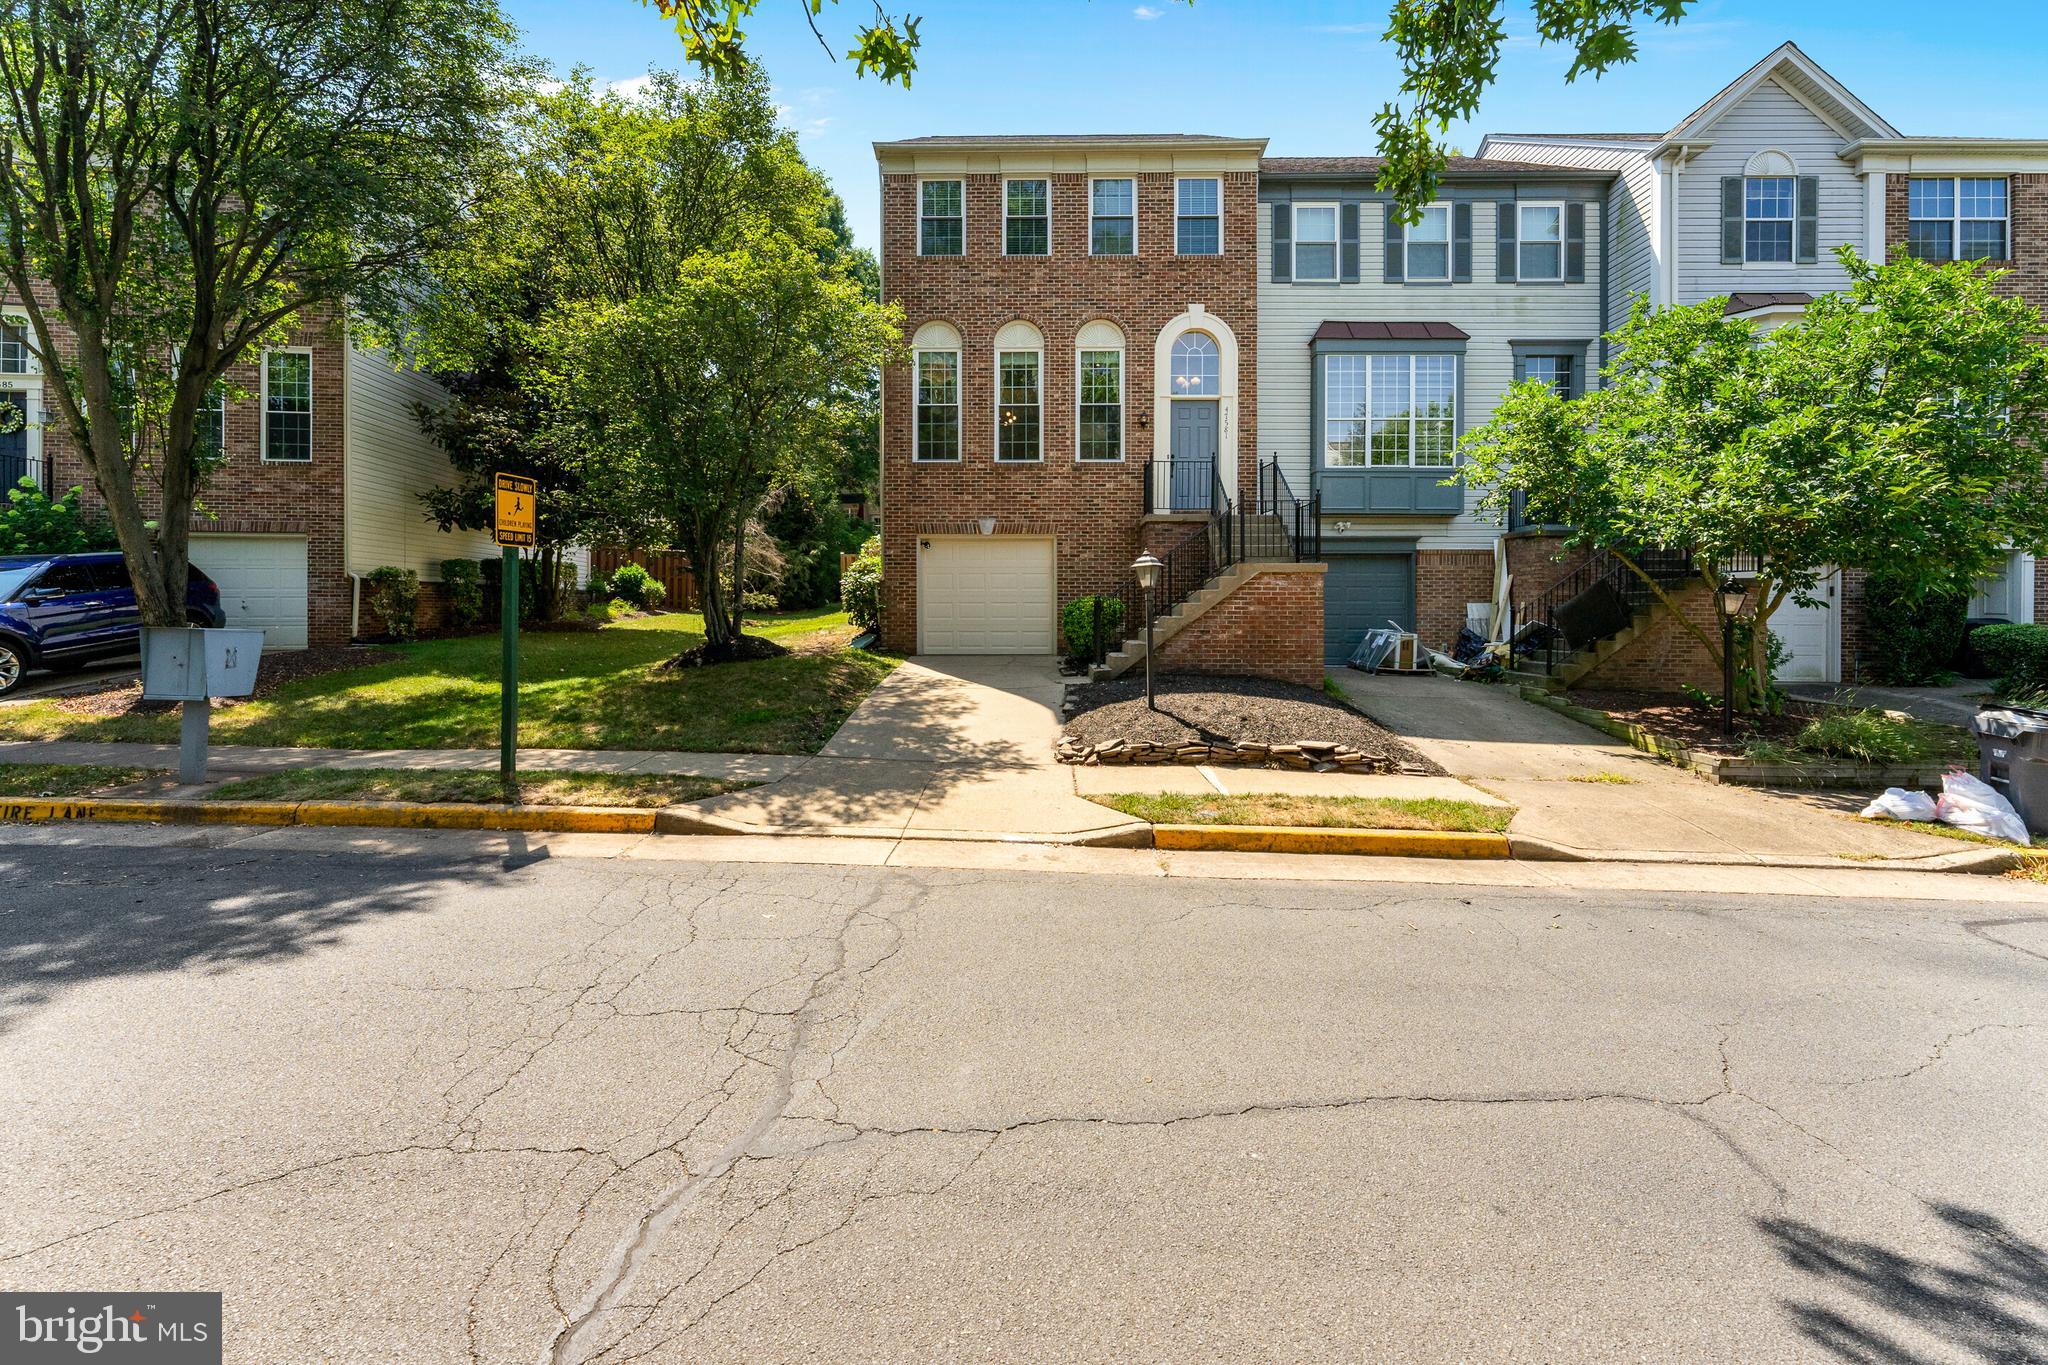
(1397, 241)
(1807, 233)
(1461, 243)
(1347, 234)
(1283, 243)
(1731, 220)
(1504, 268)
(1575, 243)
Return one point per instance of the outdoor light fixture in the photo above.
(988, 526)
(1147, 567)
(1733, 595)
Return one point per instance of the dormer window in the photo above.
(1769, 214)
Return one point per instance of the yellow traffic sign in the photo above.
(515, 519)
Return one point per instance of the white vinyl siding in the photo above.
(390, 462)
(1494, 315)
(1769, 118)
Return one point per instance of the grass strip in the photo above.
(431, 787)
(1312, 812)
(62, 779)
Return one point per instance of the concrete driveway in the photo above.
(944, 745)
(1577, 787)
(43, 683)
(436, 1099)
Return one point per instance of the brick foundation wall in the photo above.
(1271, 627)
(247, 496)
(1445, 580)
(1092, 510)
(1667, 656)
(1537, 561)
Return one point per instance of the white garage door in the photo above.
(985, 596)
(262, 583)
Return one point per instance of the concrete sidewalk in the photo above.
(1530, 757)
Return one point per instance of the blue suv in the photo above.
(64, 611)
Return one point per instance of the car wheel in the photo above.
(13, 665)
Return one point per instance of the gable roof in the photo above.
(1807, 82)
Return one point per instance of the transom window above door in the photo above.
(1196, 367)
(1027, 218)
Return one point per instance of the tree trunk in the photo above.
(739, 580)
(719, 626)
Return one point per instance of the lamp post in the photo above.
(1732, 597)
(1147, 569)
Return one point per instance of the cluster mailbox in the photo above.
(180, 663)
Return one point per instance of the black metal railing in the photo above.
(1597, 599)
(16, 466)
(1185, 566)
(1178, 485)
(1300, 519)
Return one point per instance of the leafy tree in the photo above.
(33, 523)
(717, 387)
(885, 47)
(1896, 427)
(181, 181)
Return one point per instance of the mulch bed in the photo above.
(741, 649)
(1201, 709)
(119, 698)
(1678, 720)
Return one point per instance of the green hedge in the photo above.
(2017, 653)
(463, 581)
(1913, 636)
(860, 586)
(1077, 623)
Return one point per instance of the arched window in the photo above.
(1196, 366)
(935, 380)
(1020, 394)
(1099, 392)
(1770, 198)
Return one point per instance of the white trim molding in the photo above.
(1198, 319)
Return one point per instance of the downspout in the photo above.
(355, 605)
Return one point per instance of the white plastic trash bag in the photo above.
(1973, 804)
(1899, 804)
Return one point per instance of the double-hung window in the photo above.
(1539, 241)
(1198, 217)
(1018, 406)
(1315, 243)
(1960, 219)
(1389, 411)
(937, 381)
(1552, 371)
(1101, 424)
(1113, 218)
(1768, 206)
(15, 356)
(1027, 218)
(1428, 245)
(212, 422)
(287, 407)
(941, 218)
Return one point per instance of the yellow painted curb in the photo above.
(375, 814)
(1383, 843)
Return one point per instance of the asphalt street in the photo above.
(436, 1101)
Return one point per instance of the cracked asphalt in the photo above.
(433, 1103)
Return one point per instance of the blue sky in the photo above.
(1307, 74)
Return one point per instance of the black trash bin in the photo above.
(2012, 754)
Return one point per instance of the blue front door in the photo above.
(1194, 454)
(13, 441)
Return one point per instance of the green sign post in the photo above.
(514, 527)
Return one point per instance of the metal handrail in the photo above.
(1602, 570)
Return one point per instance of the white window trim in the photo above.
(959, 412)
(20, 318)
(1122, 408)
(1132, 254)
(1522, 240)
(1791, 260)
(263, 407)
(1336, 244)
(1369, 357)
(1957, 218)
(917, 217)
(1198, 255)
(995, 452)
(1008, 181)
(1408, 274)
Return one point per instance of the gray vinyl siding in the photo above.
(1494, 315)
(1631, 201)
(1768, 118)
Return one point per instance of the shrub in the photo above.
(1913, 635)
(2017, 653)
(758, 601)
(494, 594)
(1864, 736)
(463, 581)
(1077, 623)
(633, 585)
(395, 598)
(32, 523)
(860, 586)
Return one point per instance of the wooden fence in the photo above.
(668, 566)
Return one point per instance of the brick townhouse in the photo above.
(1075, 367)
(323, 465)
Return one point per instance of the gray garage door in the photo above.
(1364, 592)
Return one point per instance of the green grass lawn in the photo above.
(1313, 812)
(577, 690)
(58, 779)
(534, 788)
